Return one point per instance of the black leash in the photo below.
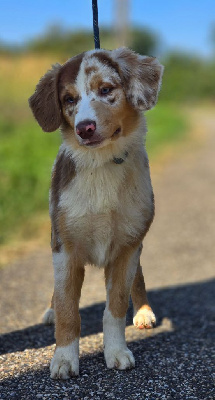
(95, 24)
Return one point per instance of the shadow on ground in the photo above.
(189, 307)
(170, 365)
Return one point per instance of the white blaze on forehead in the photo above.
(85, 110)
(81, 79)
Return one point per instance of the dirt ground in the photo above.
(173, 361)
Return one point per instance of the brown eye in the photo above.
(106, 90)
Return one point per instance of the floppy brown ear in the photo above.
(141, 77)
(44, 102)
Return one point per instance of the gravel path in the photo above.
(174, 360)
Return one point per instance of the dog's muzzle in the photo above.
(86, 130)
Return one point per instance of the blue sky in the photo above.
(182, 25)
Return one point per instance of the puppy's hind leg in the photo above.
(143, 314)
(49, 315)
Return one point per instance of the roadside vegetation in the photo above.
(27, 154)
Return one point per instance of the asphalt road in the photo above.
(173, 361)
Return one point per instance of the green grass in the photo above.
(26, 158)
(166, 125)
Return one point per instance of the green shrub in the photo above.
(26, 158)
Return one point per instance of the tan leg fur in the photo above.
(69, 276)
(143, 314)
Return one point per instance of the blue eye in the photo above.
(105, 90)
(70, 99)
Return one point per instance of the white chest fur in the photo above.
(93, 191)
(105, 203)
(88, 202)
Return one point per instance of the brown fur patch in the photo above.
(123, 116)
(63, 173)
(105, 59)
(69, 71)
(90, 70)
(96, 82)
(149, 216)
(66, 304)
(116, 273)
(70, 245)
(44, 102)
(138, 290)
(68, 89)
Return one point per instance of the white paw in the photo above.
(144, 318)
(65, 362)
(119, 358)
(49, 317)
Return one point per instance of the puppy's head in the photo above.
(97, 96)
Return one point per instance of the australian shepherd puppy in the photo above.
(101, 198)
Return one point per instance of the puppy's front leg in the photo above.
(69, 276)
(119, 277)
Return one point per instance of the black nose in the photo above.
(85, 129)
